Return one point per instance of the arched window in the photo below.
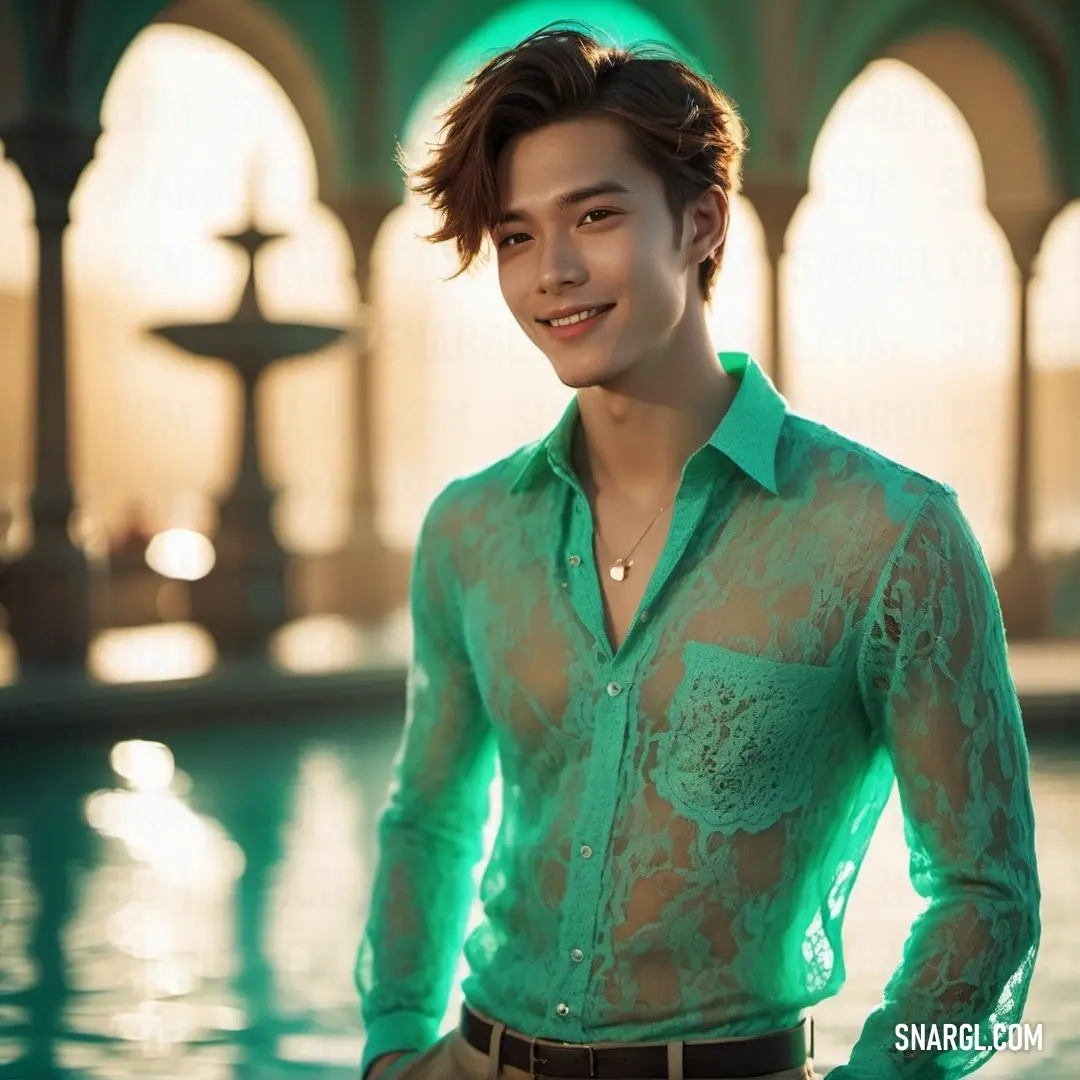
(194, 128)
(1055, 351)
(901, 293)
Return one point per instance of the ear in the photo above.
(709, 217)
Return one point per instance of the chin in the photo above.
(579, 378)
(578, 383)
(585, 372)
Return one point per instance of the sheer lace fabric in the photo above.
(684, 819)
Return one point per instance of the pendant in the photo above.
(618, 571)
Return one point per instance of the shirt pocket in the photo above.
(746, 737)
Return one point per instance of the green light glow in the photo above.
(610, 20)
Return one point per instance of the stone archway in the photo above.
(1000, 110)
(1001, 86)
(1024, 195)
(253, 27)
(197, 129)
(267, 39)
(901, 290)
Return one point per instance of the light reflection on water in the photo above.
(152, 931)
(220, 885)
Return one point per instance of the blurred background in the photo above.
(233, 377)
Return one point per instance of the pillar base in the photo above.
(1022, 591)
(243, 600)
(46, 593)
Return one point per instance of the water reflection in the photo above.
(18, 914)
(151, 948)
(192, 910)
(47, 849)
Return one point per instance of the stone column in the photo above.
(363, 213)
(1022, 586)
(776, 202)
(366, 579)
(47, 592)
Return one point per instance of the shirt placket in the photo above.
(616, 698)
(590, 847)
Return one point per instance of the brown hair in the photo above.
(681, 127)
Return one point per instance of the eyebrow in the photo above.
(572, 198)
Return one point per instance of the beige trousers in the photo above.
(452, 1058)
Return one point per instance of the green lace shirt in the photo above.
(684, 819)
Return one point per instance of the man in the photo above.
(699, 635)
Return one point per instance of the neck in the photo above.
(637, 432)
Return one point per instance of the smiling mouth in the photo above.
(578, 317)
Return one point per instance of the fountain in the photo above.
(243, 599)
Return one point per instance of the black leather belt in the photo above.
(757, 1055)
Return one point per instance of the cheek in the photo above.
(614, 257)
(658, 292)
(643, 260)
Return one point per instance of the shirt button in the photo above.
(577, 956)
(562, 1009)
(645, 616)
(586, 851)
(575, 560)
(614, 689)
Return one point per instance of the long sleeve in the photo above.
(935, 682)
(431, 829)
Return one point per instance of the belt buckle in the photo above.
(532, 1058)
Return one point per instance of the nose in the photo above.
(561, 265)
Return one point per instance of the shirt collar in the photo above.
(747, 435)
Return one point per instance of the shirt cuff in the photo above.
(398, 1031)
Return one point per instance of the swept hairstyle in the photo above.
(681, 127)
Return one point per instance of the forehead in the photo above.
(537, 167)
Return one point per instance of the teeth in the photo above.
(581, 316)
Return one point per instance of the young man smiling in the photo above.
(700, 636)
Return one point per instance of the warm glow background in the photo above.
(900, 291)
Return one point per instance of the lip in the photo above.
(562, 313)
(576, 329)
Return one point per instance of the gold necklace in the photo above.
(619, 568)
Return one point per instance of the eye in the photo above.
(513, 239)
(603, 214)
